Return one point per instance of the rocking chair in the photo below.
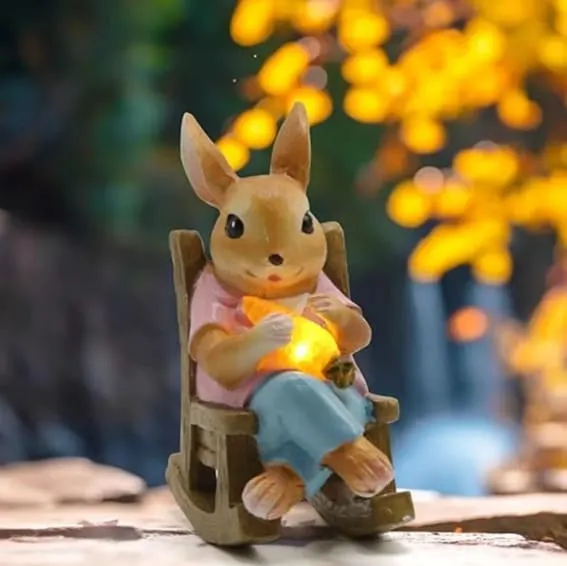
(218, 453)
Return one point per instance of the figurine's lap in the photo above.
(301, 419)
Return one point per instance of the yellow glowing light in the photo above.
(408, 206)
(364, 67)
(311, 348)
(255, 128)
(252, 22)
(359, 30)
(365, 105)
(300, 352)
(281, 72)
(422, 134)
(318, 103)
(493, 267)
(517, 111)
(235, 152)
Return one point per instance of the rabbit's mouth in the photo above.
(275, 277)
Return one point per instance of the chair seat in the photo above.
(223, 420)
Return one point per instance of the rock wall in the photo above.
(88, 352)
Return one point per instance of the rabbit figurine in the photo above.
(266, 243)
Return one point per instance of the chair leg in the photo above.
(215, 511)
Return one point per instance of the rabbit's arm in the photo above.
(229, 359)
(353, 331)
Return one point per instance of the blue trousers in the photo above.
(301, 419)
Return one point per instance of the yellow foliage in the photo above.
(360, 29)
(493, 267)
(453, 200)
(408, 206)
(255, 128)
(252, 22)
(422, 134)
(553, 52)
(517, 111)
(282, 71)
(315, 16)
(318, 103)
(491, 165)
(235, 152)
(485, 41)
(440, 74)
(365, 67)
(366, 105)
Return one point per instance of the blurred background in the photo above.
(439, 142)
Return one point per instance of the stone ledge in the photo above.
(142, 533)
(58, 512)
(402, 549)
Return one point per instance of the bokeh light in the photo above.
(467, 324)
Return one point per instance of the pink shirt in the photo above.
(212, 303)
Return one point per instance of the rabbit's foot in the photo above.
(271, 494)
(364, 468)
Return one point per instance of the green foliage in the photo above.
(134, 67)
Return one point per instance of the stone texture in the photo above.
(40, 530)
(138, 533)
(399, 549)
(535, 516)
(66, 480)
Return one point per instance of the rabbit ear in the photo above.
(205, 166)
(292, 149)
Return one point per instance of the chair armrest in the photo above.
(386, 409)
(223, 420)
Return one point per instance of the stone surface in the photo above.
(399, 549)
(535, 516)
(153, 530)
(65, 480)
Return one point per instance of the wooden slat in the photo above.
(221, 420)
(386, 409)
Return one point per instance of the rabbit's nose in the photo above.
(275, 259)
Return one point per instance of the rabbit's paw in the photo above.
(273, 493)
(364, 468)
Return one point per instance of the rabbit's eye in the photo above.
(234, 227)
(307, 224)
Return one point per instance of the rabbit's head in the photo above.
(265, 242)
